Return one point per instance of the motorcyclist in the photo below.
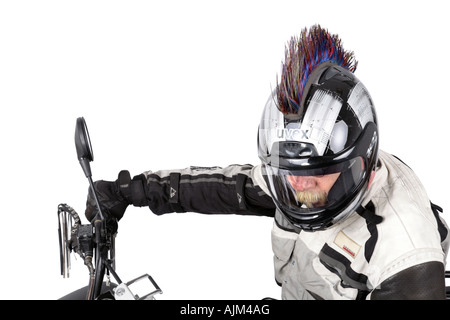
(350, 221)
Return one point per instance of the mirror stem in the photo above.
(86, 167)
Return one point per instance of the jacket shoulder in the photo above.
(408, 234)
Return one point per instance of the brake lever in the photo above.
(64, 252)
(74, 237)
(66, 230)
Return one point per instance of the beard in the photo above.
(312, 199)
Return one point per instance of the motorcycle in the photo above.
(95, 242)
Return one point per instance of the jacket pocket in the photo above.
(283, 243)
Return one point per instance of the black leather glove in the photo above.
(115, 196)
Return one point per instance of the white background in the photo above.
(168, 84)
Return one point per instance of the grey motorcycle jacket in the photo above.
(393, 247)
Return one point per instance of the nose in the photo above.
(302, 183)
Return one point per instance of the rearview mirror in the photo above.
(83, 146)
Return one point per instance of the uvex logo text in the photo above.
(292, 134)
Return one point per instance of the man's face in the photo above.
(313, 190)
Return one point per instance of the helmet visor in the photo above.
(310, 190)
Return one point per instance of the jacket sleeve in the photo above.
(425, 281)
(236, 189)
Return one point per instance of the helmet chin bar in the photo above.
(286, 222)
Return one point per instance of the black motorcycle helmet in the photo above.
(318, 125)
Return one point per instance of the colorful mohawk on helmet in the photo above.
(302, 56)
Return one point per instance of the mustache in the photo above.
(312, 198)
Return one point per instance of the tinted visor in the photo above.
(308, 190)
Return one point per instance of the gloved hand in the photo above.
(115, 196)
